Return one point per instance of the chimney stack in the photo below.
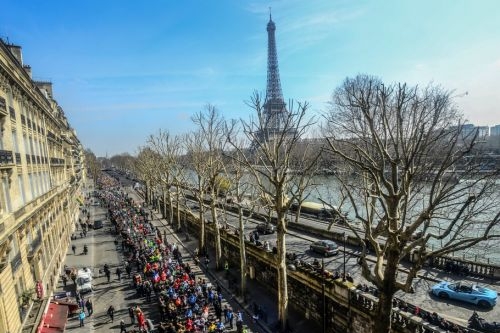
(45, 86)
(16, 52)
(27, 68)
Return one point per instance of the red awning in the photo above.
(55, 319)
(50, 330)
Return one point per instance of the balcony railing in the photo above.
(16, 262)
(6, 157)
(3, 106)
(56, 161)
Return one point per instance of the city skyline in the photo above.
(122, 72)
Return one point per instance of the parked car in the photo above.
(325, 247)
(470, 293)
(98, 224)
(84, 280)
(265, 228)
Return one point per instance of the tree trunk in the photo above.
(243, 255)
(178, 197)
(170, 209)
(164, 208)
(218, 247)
(383, 322)
(201, 240)
(282, 277)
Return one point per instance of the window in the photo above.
(15, 145)
(6, 194)
(32, 188)
(21, 190)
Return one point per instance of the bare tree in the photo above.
(238, 195)
(168, 149)
(146, 170)
(304, 162)
(414, 183)
(213, 143)
(93, 166)
(269, 164)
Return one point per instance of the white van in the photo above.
(84, 280)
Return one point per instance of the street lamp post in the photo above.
(323, 293)
(344, 237)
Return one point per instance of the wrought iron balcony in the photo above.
(3, 106)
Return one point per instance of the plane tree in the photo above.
(168, 148)
(146, 171)
(211, 145)
(413, 177)
(268, 163)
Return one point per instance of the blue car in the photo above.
(483, 297)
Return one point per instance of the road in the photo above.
(120, 294)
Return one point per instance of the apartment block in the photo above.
(41, 179)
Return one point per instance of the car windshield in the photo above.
(84, 280)
(480, 289)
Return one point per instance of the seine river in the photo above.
(327, 189)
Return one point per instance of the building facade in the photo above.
(41, 175)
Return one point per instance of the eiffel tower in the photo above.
(275, 112)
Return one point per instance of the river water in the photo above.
(328, 190)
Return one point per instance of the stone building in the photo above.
(41, 175)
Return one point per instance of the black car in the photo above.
(265, 228)
(324, 247)
(98, 224)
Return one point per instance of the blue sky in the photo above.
(122, 70)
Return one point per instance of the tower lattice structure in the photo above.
(275, 111)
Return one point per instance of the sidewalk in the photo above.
(257, 294)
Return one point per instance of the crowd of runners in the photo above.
(155, 267)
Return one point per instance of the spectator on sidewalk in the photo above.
(108, 275)
(119, 273)
(128, 269)
(64, 279)
(230, 318)
(89, 306)
(81, 316)
(225, 312)
(73, 247)
(111, 312)
(239, 321)
(131, 314)
(122, 327)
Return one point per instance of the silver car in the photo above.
(325, 247)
